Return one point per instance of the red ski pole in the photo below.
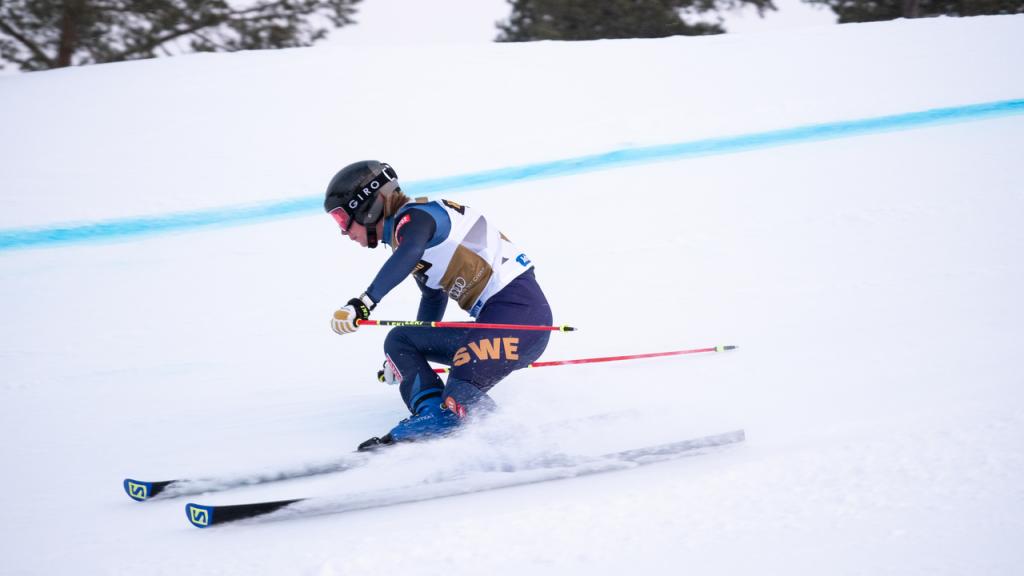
(617, 358)
(562, 328)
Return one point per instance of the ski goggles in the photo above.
(344, 219)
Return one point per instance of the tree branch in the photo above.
(115, 30)
(32, 46)
(159, 40)
(210, 42)
(255, 13)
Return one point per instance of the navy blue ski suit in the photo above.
(479, 357)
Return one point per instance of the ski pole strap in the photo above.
(420, 324)
(618, 358)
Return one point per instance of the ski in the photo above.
(143, 490)
(203, 516)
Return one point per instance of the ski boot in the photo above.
(437, 419)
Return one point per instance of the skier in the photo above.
(452, 252)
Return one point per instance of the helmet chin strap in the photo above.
(371, 235)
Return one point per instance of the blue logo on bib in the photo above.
(522, 259)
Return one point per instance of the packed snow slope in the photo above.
(873, 284)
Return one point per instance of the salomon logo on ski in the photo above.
(137, 490)
(198, 515)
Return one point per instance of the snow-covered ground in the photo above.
(873, 284)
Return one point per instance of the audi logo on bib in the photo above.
(458, 287)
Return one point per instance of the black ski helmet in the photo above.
(356, 189)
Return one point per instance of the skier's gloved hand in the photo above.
(388, 374)
(346, 319)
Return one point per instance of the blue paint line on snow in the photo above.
(11, 239)
(724, 145)
(150, 225)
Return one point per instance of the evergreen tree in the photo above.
(875, 10)
(41, 34)
(598, 19)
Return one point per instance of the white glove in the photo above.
(346, 319)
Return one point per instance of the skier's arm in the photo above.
(412, 239)
(432, 304)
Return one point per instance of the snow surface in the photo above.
(873, 284)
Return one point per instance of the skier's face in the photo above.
(357, 233)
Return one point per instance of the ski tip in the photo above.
(141, 491)
(138, 490)
(198, 515)
(725, 348)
